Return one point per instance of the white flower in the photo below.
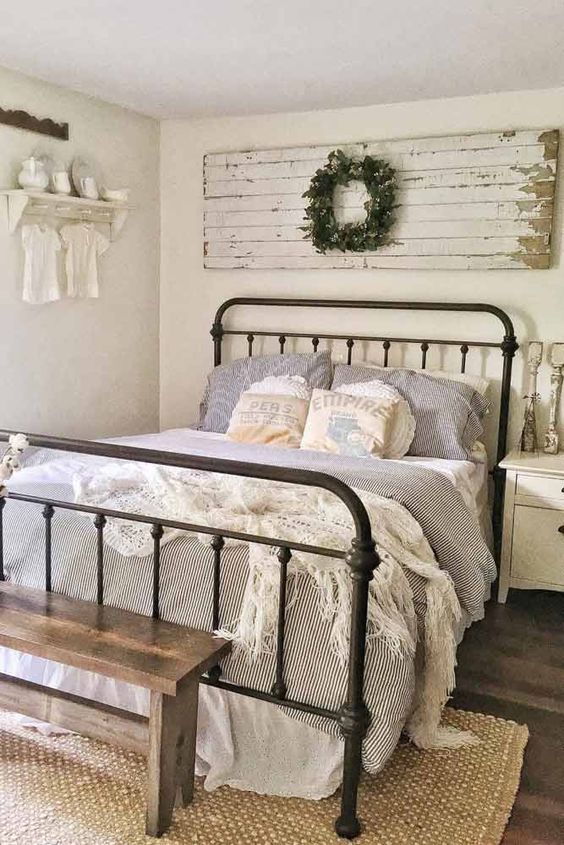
(18, 442)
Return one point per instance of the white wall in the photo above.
(90, 367)
(190, 294)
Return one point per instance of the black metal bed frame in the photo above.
(353, 717)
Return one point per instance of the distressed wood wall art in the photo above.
(481, 201)
(44, 126)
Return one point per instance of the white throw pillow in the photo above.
(282, 385)
(348, 425)
(270, 419)
(402, 426)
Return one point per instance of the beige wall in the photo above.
(190, 294)
(85, 368)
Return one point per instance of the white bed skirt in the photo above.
(242, 742)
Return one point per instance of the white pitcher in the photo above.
(33, 176)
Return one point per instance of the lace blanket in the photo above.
(310, 516)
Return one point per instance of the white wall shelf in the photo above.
(38, 203)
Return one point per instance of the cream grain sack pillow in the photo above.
(402, 425)
(348, 425)
(270, 419)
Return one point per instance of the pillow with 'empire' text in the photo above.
(357, 426)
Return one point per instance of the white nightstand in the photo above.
(532, 554)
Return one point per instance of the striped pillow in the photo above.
(228, 381)
(448, 414)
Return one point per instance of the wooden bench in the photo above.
(165, 658)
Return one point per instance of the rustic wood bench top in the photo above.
(116, 643)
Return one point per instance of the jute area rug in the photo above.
(68, 790)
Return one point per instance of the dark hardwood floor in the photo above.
(512, 665)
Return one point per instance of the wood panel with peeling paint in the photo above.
(480, 201)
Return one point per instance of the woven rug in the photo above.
(67, 790)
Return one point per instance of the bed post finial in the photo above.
(216, 332)
(354, 716)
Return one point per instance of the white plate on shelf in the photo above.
(85, 179)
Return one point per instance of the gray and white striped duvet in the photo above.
(313, 674)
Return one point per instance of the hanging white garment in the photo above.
(40, 279)
(83, 245)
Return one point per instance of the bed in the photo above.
(365, 696)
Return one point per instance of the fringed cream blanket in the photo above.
(310, 516)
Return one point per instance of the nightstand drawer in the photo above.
(538, 545)
(540, 487)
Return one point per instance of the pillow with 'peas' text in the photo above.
(271, 419)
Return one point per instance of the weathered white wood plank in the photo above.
(404, 162)
(466, 176)
(255, 211)
(475, 141)
(533, 244)
(411, 196)
(402, 230)
(449, 178)
(359, 262)
(526, 209)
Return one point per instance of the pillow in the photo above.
(402, 427)
(348, 425)
(283, 386)
(482, 385)
(268, 418)
(227, 381)
(448, 414)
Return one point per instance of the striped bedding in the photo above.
(313, 674)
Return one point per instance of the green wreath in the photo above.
(323, 229)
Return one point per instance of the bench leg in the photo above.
(172, 751)
(186, 759)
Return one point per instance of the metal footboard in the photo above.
(353, 717)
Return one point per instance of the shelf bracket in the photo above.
(17, 204)
(118, 222)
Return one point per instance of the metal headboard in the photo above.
(507, 345)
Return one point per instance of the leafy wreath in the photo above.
(380, 181)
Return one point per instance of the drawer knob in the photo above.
(561, 529)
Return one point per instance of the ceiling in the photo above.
(193, 58)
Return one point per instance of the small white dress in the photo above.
(40, 279)
(83, 243)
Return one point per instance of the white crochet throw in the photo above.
(303, 515)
